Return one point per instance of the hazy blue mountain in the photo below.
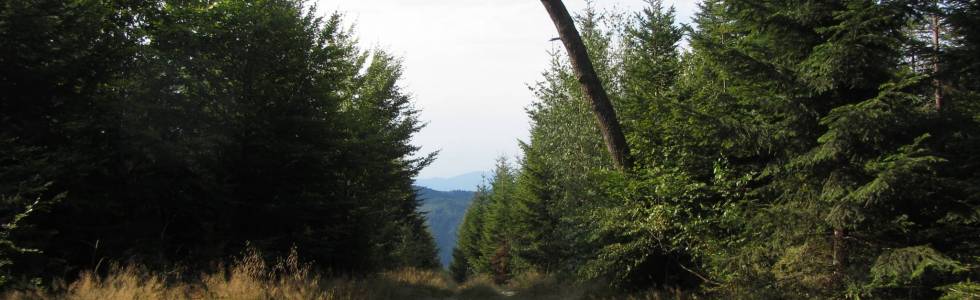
(464, 182)
(444, 211)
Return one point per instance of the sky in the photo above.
(468, 64)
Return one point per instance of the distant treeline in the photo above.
(791, 149)
(176, 133)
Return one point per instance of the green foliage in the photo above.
(901, 267)
(858, 170)
(444, 213)
(10, 251)
(961, 290)
(498, 233)
(565, 157)
(470, 238)
(793, 151)
(459, 268)
(184, 130)
(489, 232)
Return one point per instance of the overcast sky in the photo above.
(467, 67)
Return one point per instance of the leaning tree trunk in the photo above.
(612, 133)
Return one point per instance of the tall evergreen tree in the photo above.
(591, 84)
(182, 131)
(498, 233)
(565, 159)
(537, 215)
(469, 241)
(832, 154)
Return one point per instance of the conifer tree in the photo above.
(499, 234)
(459, 268)
(182, 131)
(635, 236)
(565, 156)
(832, 149)
(537, 215)
(591, 84)
(469, 241)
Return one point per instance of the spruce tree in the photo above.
(469, 241)
(537, 217)
(183, 131)
(498, 234)
(835, 150)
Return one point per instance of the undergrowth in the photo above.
(251, 277)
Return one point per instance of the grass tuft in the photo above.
(251, 277)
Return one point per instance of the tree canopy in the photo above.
(180, 132)
(790, 149)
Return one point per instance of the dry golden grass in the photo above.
(250, 278)
(253, 278)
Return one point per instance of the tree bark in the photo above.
(937, 83)
(585, 72)
(839, 255)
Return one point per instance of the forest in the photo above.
(229, 149)
(792, 149)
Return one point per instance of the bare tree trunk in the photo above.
(839, 255)
(612, 133)
(937, 83)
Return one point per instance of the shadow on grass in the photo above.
(252, 278)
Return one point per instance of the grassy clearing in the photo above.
(252, 278)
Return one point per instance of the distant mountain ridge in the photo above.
(464, 182)
(444, 212)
